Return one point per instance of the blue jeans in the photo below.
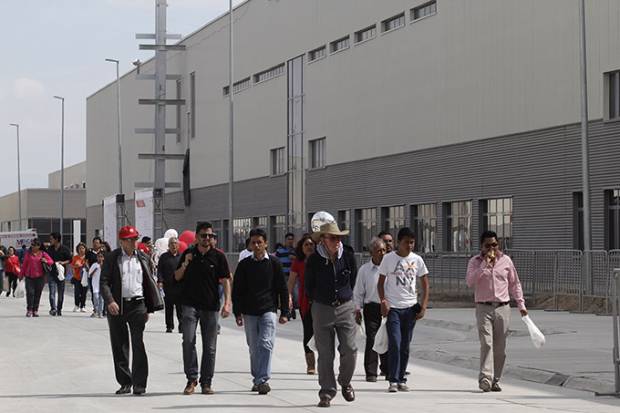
(260, 333)
(56, 288)
(400, 324)
(98, 302)
(208, 332)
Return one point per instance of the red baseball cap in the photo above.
(128, 232)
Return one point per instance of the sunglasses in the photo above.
(203, 236)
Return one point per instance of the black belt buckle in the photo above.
(133, 299)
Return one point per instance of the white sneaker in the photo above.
(82, 310)
(75, 309)
(393, 388)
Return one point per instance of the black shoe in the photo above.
(348, 393)
(53, 313)
(371, 379)
(407, 373)
(495, 386)
(324, 401)
(59, 313)
(168, 330)
(254, 388)
(139, 391)
(263, 388)
(125, 389)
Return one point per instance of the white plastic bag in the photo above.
(84, 279)
(20, 291)
(381, 339)
(538, 338)
(61, 271)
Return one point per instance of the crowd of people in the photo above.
(316, 275)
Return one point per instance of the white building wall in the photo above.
(476, 69)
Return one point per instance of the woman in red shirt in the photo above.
(305, 248)
(34, 271)
(77, 264)
(11, 267)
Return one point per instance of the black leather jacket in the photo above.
(111, 283)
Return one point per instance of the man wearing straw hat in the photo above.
(329, 280)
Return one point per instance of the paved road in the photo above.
(64, 365)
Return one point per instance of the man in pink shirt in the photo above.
(494, 279)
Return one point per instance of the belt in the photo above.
(337, 303)
(133, 299)
(494, 303)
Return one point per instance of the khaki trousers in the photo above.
(493, 324)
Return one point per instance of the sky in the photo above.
(59, 47)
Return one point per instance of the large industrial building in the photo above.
(451, 116)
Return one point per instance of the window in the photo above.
(344, 222)
(612, 215)
(278, 229)
(578, 220)
(192, 103)
(239, 86)
(316, 54)
(366, 227)
(458, 226)
(178, 110)
(269, 74)
(393, 219)
(612, 101)
(259, 222)
(424, 223)
(241, 230)
(366, 34)
(317, 153)
(338, 45)
(278, 161)
(497, 217)
(393, 23)
(424, 10)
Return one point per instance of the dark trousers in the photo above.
(56, 288)
(400, 324)
(306, 320)
(170, 305)
(372, 322)
(12, 283)
(79, 293)
(133, 316)
(34, 288)
(208, 331)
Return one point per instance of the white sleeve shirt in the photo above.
(131, 275)
(365, 290)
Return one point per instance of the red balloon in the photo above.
(182, 246)
(188, 237)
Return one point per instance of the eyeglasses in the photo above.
(203, 236)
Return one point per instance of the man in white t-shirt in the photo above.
(399, 271)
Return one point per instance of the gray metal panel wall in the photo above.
(539, 169)
(94, 220)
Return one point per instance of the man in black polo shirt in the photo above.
(61, 255)
(329, 280)
(166, 267)
(201, 269)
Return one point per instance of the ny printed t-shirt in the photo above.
(401, 274)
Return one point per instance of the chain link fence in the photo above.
(552, 279)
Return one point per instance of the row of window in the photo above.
(495, 215)
(259, 77)
(316, 157)
(370, 32)
(611, 220)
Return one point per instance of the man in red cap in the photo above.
(130, 294)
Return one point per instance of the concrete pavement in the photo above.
(65, 364)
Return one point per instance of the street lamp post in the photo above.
(62, 168)
(118, 125)
(231, 146)
(19, 179)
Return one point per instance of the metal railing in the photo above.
(554, 279)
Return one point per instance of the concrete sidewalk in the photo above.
(65, 365)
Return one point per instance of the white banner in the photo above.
(109, 221)
(143, 201)
(16, 239)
